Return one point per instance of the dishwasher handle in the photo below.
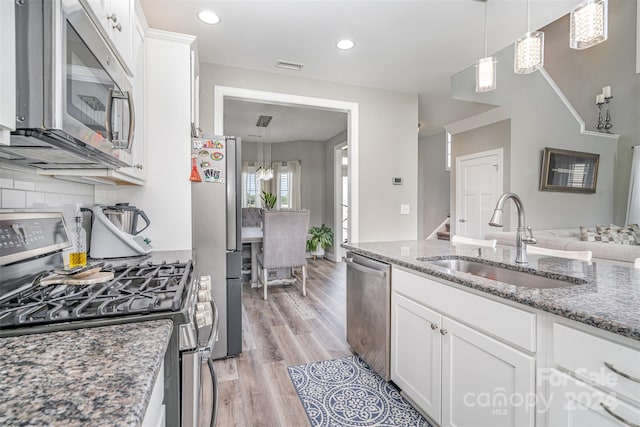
(352, 264)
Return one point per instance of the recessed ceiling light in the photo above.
(208, 17)
(345, 44)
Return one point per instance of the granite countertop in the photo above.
(609, 300)
(92, 376)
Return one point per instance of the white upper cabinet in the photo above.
(116, 20)
(7, 70)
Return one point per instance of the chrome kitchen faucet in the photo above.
(524, 235)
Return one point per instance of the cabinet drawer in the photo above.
(597, 359)
(509, 323)
(572, 403)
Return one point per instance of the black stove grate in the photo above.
(138, 289)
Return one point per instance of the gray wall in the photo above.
(433, 184)
(312, 162)
(540, 119)
(490, 137)
(581, 74)
(387, 138)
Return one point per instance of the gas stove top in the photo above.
(135, 289)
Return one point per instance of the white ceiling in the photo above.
(288, 123)
(405, 45)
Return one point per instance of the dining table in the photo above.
(253, 236)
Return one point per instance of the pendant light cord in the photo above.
(528, 16)
(485, 28)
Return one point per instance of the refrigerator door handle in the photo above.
(233, 201)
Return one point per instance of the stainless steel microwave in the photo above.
(74, 107)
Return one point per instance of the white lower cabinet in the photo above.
(155, 413)
(572, 403)
(454, 373)
(484, 382)
(416, 353)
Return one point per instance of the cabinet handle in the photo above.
(112, 17)
(138, 166)
(462, 220)
(622, 374)
(443, 332)
(618, 417)
(434, 326)
(117, 26)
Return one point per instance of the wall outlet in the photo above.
(404, 209)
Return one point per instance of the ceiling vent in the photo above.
(263, 121)
(289, 65)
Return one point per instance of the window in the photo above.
(285, 189)
(251, 186)
(447, 151)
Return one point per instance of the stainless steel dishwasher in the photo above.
(369, 311)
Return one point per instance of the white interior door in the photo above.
(478, 186)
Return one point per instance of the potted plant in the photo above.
(268, 199)
(321, 239)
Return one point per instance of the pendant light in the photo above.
(485, 67)
(588, 24)
(529, 50)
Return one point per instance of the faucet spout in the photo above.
(523, 236)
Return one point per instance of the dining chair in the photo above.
(283, 245)
(251, 217)
(579, 255)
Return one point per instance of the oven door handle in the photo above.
(206, 350)
(214, 384)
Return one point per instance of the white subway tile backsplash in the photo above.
(35, 200)
(13, 199)
(24, 181)
(6, 178)
(22, 188)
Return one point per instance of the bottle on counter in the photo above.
(78, 255)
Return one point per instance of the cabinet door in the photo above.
(121, 27)
(416, 352)
(138, 170)
(484, 382)
(7, 71)
(572, 403)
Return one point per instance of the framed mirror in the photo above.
(569, 171)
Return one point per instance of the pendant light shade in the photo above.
(529, 53)
(588, 24)
(485, 67)
(486, 74)
(529, 50)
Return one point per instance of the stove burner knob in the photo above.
(205, 282)
(204, 296)
(202, 307)
(201, 320)
(205, 286)
(208, 318)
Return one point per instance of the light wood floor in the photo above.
(287, 329)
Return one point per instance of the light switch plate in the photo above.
(404, 209)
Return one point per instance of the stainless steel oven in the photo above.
(160, 286)
(72, 93)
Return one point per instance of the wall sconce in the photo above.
(604, 125)
(588, 24)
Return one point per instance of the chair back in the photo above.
(251, 217)
(285, 238)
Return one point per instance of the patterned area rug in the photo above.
(346, 392)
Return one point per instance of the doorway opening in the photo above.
(222, 93)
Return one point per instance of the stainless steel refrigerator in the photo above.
(216, 228)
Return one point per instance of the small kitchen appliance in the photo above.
(115, 232)
(160, 286)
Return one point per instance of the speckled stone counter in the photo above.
(609, 300)
(83, 377)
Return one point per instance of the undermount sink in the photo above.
(527, 279)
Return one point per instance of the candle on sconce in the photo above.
(600, 99)
(606, 91)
